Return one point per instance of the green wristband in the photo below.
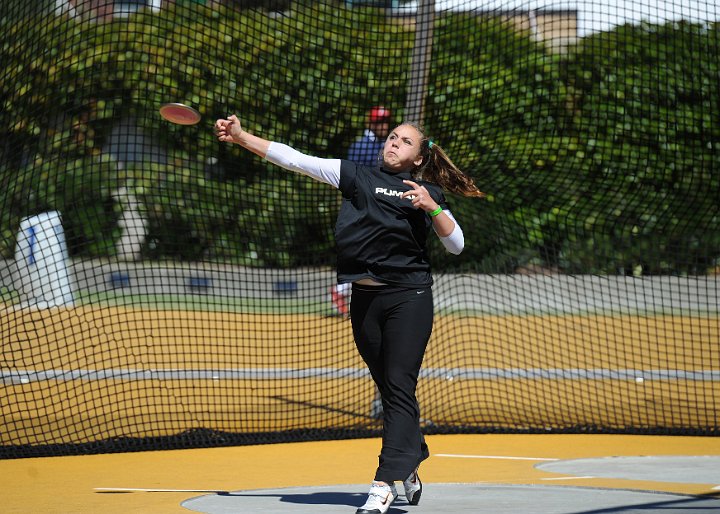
(435, 212)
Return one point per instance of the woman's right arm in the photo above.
(325, 170)
(230, 131)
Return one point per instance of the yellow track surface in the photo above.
(97, 338)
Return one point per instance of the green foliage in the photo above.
(506, 136)
(648, 153)
(602, 160)
(79, 188)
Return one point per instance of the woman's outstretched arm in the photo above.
(325, 170)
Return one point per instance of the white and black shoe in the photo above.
(413, 488)
(379, 499)
(376, 409)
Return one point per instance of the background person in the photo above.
(340, 299)
(387, 213)
(367, 149)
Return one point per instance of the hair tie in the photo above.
(430, 143)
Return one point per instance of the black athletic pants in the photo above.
(392, 326)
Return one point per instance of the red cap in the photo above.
(379, 113)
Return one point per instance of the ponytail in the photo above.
(436, 167)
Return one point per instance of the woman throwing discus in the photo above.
(387, 214)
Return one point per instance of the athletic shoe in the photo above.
(413, 488)
(376, 409)
(379, 499)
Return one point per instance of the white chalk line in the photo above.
(567, 478)
(154, 490)
(24, 376)
(500, 457)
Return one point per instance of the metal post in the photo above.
(421, 58)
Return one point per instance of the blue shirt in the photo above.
(366, 150)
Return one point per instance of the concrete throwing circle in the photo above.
(455, 498)
(681, 469)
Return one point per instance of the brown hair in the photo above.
(436, 167)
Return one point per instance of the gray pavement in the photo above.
(503, 499)
(456, 498)
(677, 469)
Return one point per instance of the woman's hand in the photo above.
(229, 130)
(419, 197)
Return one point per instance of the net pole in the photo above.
(420, 65)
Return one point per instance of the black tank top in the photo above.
(378, 234)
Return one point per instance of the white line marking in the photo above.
(25, 376)
(489, 457)
(153, 490)
(566, 478)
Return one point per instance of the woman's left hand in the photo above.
(419, 197)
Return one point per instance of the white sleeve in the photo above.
(455, 241)
(324, 170)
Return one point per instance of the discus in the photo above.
(180, 114)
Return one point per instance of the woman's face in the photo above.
(402, 149)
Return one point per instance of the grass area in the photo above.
(9, 296)
(287, 305)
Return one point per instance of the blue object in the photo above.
(118, 280)
(199, 283)
(285, 287)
